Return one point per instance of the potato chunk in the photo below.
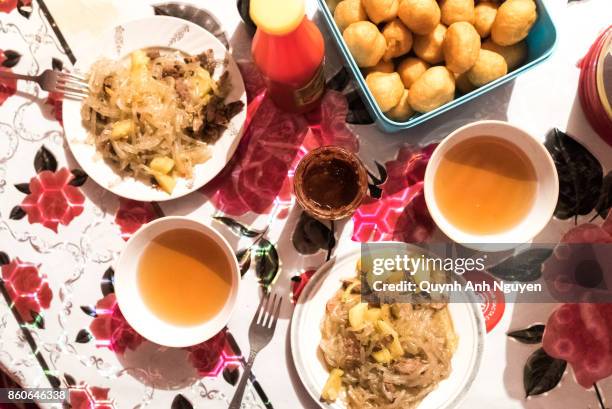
(122, 129)
(357, 316)
(162, 164)
(332, 387)
(383, 356)
(167, 183)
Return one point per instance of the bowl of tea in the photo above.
(177, 282)
(490, 182)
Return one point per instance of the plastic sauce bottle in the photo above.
(289, 50)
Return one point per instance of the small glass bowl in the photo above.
(326, 153)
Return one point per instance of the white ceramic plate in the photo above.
(156, 31)
(306, 336)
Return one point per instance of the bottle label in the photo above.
(312, 91)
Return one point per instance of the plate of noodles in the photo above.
(165, 111)
(353, 355)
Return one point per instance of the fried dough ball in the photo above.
(348, 12)
(365, 42)
(457, 10)
(402, 111)
(513, 21)
(382, 66)
(433, 89)
(381, 10)
(410, 69)
(488, 67)
(463, 83)
(420, 16)
(429, 46)
(484, 16)
(399, 39)
(387, 89)
(513, 54)
(460, 47)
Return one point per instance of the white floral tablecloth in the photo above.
(60, 232)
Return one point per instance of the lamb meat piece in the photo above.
(205, 59)
(176, 72)
(410, 366)
(153, 54)
(217, 116)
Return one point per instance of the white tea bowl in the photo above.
(131, 302)
(546, 195)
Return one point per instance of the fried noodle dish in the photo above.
(387, 356)
(155, 115)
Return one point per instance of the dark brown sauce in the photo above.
(331, 183)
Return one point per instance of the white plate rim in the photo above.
(203, 173)
(314, 284)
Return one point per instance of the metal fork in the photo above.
(260, 333)
(71, 85)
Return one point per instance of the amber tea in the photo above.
(485, 185)
(184, 277)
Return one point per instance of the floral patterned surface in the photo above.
(60, 234)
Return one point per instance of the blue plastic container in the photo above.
(541, 42)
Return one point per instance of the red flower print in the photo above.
(567, 278)
(328, 123)
(27, 288)
(590, 232)
(298, 283)
(6, 6)
(52, 200)
(401, 213)
(110, 328)
(205, 357)
(8, 86)
(55, 100)
(133, 214)
(91, 397)
(581, 334)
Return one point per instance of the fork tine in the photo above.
(270, 311)
(64, 89)
(265, 311)
(276, 314)
(70, 82)
(72, 76)
(260, 308)
(70, 95)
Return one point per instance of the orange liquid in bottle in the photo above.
(292, 62)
